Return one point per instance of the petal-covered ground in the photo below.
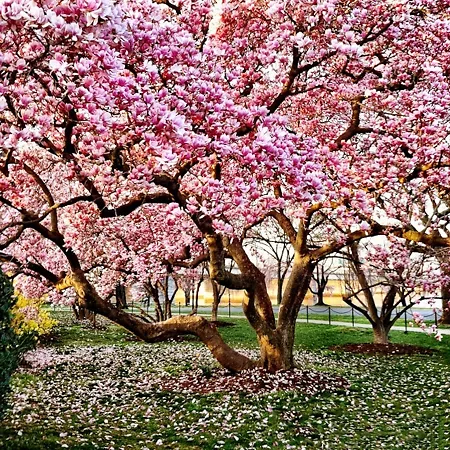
(119, 397)
(255, 381)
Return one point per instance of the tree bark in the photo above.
(154, 293)
(280, 280)
(380, 334)
(296, 289)
(82, 313)
(197, 293)
(321, 281)
(167, 309)
(320, 301)
(121, 297)
(276, 351)
(216, 301)
(277, 346)
(187, 297)
(445, 293)
(158, 310)
(164, 286)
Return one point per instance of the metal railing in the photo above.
(327, 310)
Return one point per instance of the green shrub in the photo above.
(12, 345)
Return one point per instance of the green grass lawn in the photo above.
(98, 389)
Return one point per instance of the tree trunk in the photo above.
(121, 297)
(280, 280)
(276, 348)
(216, 301)
(319, 294)
(75, 312)
(82, 313)
(197, 293)
(294, 294)
(158, 310)
(154, 293)
(380, 334)
(445, 293)
(167, 309)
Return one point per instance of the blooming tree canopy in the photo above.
(139, 133)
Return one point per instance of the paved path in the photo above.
(349, 324)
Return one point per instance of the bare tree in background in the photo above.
(320, 278)
(273, 242)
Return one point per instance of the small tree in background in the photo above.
(12, 345)
(320, 277)
(399, 276)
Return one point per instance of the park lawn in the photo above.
(99, 390)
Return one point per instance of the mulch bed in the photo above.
(254, 381)
(222, 324)
(384, 349)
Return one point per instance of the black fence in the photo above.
(324, 313)
(351, 315)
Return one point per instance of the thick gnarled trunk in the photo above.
(277, 344)
(158, 331)
(121, 296)
(277, 349)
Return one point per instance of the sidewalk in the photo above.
(349, 324)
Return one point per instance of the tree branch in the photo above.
(33, 267)
(285, 224)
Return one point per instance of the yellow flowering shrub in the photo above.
(29, 316)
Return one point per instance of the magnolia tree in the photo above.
(134, 133)
(387, 279)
